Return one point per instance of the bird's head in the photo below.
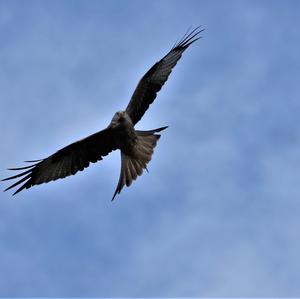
(120, 118)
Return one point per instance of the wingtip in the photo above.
(33, 161)
(15, 193)
(7, 190)
(161, 129)
(189, 37)
(113, 198)
(117, 191)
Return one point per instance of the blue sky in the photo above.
(218, 213)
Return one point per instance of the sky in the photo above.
(218, 213)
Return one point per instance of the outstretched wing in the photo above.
(67, 161)
(152, 82)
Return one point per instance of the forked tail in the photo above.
(132, 166)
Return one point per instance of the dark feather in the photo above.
(132, 166)
(66, 161)
(136, 146)
(152, 82)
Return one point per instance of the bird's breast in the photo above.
(126, 139)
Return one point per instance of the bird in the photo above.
(136, 146)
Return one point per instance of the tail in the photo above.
(133, 166)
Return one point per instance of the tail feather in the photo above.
(132, 170)
(133, 165)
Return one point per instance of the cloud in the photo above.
(217, 215)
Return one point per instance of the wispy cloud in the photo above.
(218, 213)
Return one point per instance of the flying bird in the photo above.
(136, 146)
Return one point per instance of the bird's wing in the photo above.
(67, 161)
(155, 78)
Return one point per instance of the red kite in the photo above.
(136, 146)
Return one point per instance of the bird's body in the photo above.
(126, 136)
(136, 146)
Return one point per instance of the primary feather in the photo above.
(136, 146)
